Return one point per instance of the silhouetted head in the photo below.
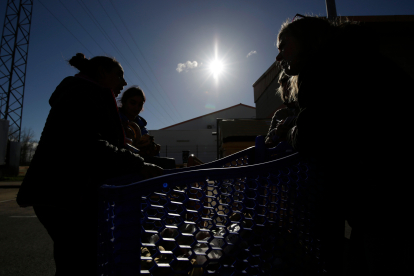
(132, 102)
(298, 40)
(106, 71)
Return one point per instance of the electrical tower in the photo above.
(14, 50)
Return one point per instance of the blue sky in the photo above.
(166, 47)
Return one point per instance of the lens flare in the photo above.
(216, 67)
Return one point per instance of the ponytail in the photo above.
(90, 67)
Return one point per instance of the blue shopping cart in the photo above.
(249, 213)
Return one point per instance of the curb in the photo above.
(10, 184)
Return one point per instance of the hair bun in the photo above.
(79, 61)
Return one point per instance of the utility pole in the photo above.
(330, 9)
(14, 50)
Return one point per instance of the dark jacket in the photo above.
(350, 121)
(347, 95)
(354, 123)
(141, 122)
(77, 151)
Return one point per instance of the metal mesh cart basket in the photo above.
(227, 218)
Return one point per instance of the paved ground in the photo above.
(25, 246)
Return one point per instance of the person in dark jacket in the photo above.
(75, 155)
(131, 104)
(356, 137)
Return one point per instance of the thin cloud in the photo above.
(251, 53)
(186, 66)
(180, 67)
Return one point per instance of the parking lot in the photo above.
(25, 246)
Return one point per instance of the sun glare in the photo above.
(216, 67)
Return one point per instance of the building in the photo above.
(4, 132)
(198, 135)
(264, 90)
(235, 135)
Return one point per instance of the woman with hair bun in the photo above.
(352, 125)
(75, 154)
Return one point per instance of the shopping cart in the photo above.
(250, 213)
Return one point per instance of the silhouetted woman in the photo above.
(353, 124)
(82, 144)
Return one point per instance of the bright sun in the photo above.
(216, 67)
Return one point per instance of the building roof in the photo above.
(240, 104)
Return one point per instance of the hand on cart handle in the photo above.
(151, 170)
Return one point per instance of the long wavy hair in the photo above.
(313, 32)
(284, 83)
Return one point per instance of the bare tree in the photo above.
(28, 144)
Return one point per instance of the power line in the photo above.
(92, 17)
(84, 45)
(131, 52)
(99, 27)
(65, 27)
(82, 26)
(136, 44)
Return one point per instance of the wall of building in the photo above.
(196, 135)
(235, 135)
(201, 142)
(4, 131)
(264, 89)
(268, 102)
(209, 120)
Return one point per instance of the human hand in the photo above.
(136, 130)
(269, 143)
(144, 141)
(151, 170)
(281, 130)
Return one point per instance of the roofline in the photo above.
(208, 114)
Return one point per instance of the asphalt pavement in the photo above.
(25, 246)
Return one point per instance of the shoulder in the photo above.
(122, 115)
(141, 120)
(73, 81)
(80, 91)
(81, 88)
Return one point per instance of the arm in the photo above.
(278, 117)
(96, 144)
